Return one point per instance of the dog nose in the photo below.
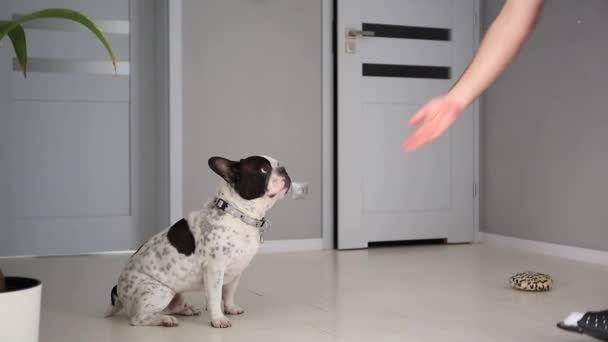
(283, 173)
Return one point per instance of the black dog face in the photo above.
(253, 177)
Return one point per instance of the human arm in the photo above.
(501, 43)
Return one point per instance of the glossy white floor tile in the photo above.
(426, 293)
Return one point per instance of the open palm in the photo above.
(436, 117)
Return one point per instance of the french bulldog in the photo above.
(208, 250)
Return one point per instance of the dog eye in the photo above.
(264, 170)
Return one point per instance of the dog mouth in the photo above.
(281, 192)
(286, 180)
(287, 185)
(283, 178)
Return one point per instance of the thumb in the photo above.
(418, 117)
(425, 111)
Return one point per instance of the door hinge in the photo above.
(474, 189)
(475, 18)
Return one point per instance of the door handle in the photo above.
(352, 33)
(351, 38)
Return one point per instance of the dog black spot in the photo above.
(181, 238)
(114, 294)
(249, 177)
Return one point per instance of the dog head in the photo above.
(256, 177)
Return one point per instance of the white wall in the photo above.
(546, 131)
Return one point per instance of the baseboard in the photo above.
(301, 245)
(272, 246)
(546, 248)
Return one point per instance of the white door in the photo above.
(405, 53)
(79, 148)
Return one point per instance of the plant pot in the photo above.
(20, 310)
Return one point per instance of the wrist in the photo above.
(459, 99)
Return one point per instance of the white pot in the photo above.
(20, 310)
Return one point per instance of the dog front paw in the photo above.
(221, 322)
(169, 321)
(233, 310)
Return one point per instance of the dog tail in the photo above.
(115, 304)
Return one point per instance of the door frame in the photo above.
(329, 157)
(172, 63)
(173, 72)
(477, 134)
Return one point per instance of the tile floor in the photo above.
(422, 293)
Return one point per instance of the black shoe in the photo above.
(594, 324)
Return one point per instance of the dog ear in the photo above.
(225, 168)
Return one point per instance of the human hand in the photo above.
(438, 115)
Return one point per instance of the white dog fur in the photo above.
(206, 251)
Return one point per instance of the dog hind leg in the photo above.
(148, 306)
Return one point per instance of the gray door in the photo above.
(393, 56)
(79, 147)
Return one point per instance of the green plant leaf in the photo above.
(64, 14)
(17, 36)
